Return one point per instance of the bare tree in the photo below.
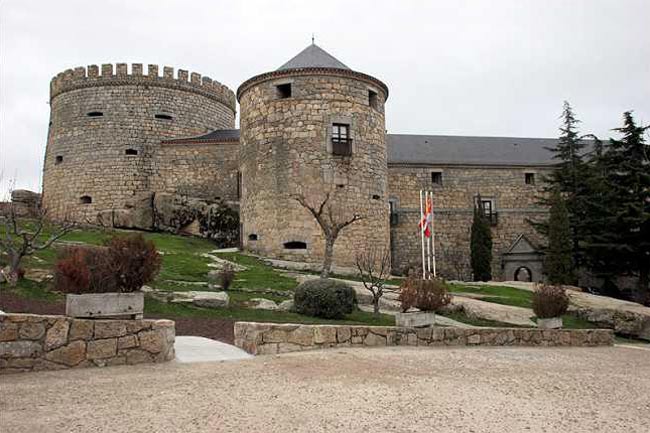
(374, 269)
(330, 223)
(19, 239)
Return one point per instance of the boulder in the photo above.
(137, 213)
(286, 305)
(624, 317)
(262, 304)
(210, 299)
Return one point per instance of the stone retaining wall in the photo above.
(269, 338)
(30, 342)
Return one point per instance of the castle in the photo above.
(122, 143)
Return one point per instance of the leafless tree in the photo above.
(374, 270)
(330, 223)
(20, 238)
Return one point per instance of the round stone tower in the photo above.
(311, 128)
(105, 128)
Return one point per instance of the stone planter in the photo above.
(552, 323)
(105, 305)
(416, 319)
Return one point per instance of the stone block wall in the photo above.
(105, 130)
(515, 202)
(269, 338)
(286, 149)
(205, 171)
(31, 342)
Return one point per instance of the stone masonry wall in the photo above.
(31, 342)
(97, 162)
(286, 149)
(269, 338)
(205, 171)
(515, 202)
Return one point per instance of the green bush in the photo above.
(325, 298)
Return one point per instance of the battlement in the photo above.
(94, 76)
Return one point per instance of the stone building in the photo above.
(119, 143)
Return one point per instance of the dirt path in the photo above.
(361, 390)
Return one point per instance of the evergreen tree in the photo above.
(570, 178)
(481, 244)
(558, 261)
(619, 242)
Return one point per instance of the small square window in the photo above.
(530, 178)
(58, 159)
(283, 91)
(436, 177)
(372, 99)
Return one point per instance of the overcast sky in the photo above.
(497, 67)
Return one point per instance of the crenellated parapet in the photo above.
(107, 75)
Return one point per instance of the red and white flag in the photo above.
(426, 223)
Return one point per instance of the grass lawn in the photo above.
(498, 294)
(258, 275)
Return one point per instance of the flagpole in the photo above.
(429, 201)
(433, 236)
(422, 237)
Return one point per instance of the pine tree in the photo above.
(481, 244)
(620, 242)
(558, 261)
(570, 178)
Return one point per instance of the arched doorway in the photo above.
(523, 274)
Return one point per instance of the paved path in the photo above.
(476, 390)
(201, 349)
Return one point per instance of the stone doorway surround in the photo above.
(521, 255)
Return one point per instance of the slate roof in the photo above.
(447, 149)
(219, 135)
(437, 149)
(313, 57)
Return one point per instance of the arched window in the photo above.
(85, 199)
(252, 237)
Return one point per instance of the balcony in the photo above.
(341, 146)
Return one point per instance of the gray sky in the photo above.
(497, 67)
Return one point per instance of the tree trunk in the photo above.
(327, 260)
(12, 276)
(644, 282)
(375, 304)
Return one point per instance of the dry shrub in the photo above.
(125, 264)
(226, 276)
(425, 295)
(550, 301)
(135, 261)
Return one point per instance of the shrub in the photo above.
(84, 270)
(135, 261)
(226, 276)
(125, 264)
(550, 301)
(325, 298)
(425, 295)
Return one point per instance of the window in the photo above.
(252, 237)
(58, 159)
(372, 99)
(489, 210)
(239, 180)
(376, 197)
(295, 245)
(163, 116)
(85, 199)
(436, 177)
(341, 141)
(95, 114)
(283, 91)
(394, 217)
(530, 178)
(131, 152)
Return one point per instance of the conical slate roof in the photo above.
(313, 57)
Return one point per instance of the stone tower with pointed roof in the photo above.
(312, 127)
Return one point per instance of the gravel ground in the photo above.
(354, 390)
